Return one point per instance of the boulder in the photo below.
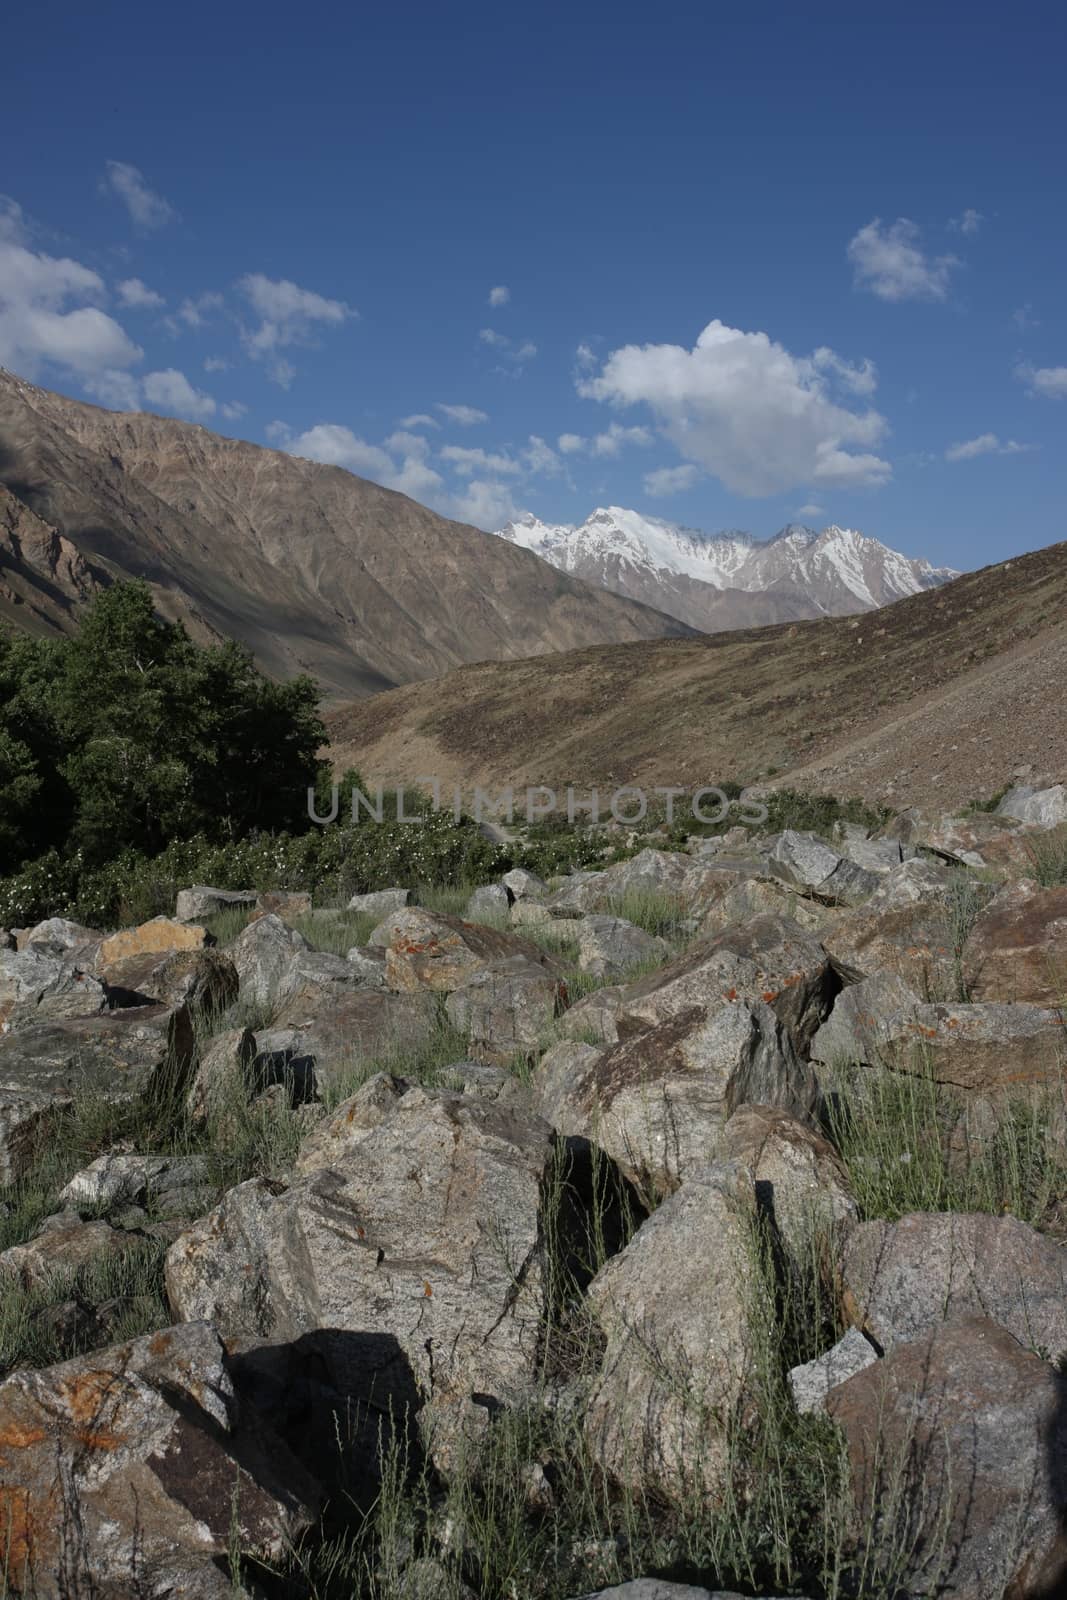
(864, 1016)
(812, 1382)
(432, 950)
(491, 900)
(37, 986)
(901, 1280)
(769, 960)
(908, 929)
(965, 840)
(328, 1033)
(957, 1443)
(673, 1308)
(174, 1185)
(418, 1254)
(60, 1247)
(128, 1470)
(807, 862)
(60, 936)
(659, 1589)
(193, 905)
(1017, 949)
(380, 903)
(610, 947)
(523, 885)
(800, 1180)
(284, 903)
(267, 955)
(529, 913)
(506, 1009)
(1042, 808)
(223, 1069)
(204, 980)
(368, 964)
(338, 1134)
(158, 937)
(119, 1056)
(879, 856)
(757, 897)
(986, 1049)
(658, 1100)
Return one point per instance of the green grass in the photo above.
(910, 1144)
(1049, 859)
(129, 1285)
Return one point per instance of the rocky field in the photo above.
(693, 1224)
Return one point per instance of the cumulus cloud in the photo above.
(609, 443)
(118, 391)
(860, 380)
(195, 312)
(464, 416)
(146, 208)
(486, 503)
(44, 317)
(419, 419)
(287, 315)
(743, 408)
(891, 263)
(135, 294)
(585, 358)
(171, 390)
(539, 456)
(570, 443)
(986, 444)
(1050, 382)
(671, 480)
(490, 337)
(331, 442)
(969, 223)
(216, 364)
(500, 295)
(233, 409)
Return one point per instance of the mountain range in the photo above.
(716, 581)
(315, 569)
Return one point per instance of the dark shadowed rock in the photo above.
(801, 1182)
(204, 980)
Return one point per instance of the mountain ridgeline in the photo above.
(316, 570)
(718, 581)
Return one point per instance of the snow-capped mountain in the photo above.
(722, 580)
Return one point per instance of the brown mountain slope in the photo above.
(315, 569)
(933, 699)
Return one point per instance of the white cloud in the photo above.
(39, 325)
(138, 296)
(194, 313)
(969, 223)
(148, 209)
(571, 443)
(338, 445)
(986, 444)
(585, 358)
(233, 409)
(810, 510)
(539, 456)
(419, 419)
(486, 503)
(500, 295)
(172, 390)
(747, 411)
(216, 364)
(611, 442)
(118, 391)
(860, 380)
(288, 315)
(507, 349)
(467, 462)
(464, 416)
(490, 337)
(1051, 382)
(890, 263)
(671, 480)
(278, 433)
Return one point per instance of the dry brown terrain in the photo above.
(935, 699)
(315, 569)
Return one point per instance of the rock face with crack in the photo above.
(421, 1245)
(128, 1470)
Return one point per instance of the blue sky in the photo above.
(731, 266)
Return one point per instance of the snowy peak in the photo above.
(799, 571)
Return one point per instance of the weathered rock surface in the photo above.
(491, 900)
(1044, 808)
(901, 1280)
(506, 1009)
(171, 1183)
(61, 1246)
(864, 1015)
(961, 1437)
(126, 1471)
(348, 1025)
(193, 905)
(757, 897)
(59, 935)
(36, 986)
(523, 885)
(812, 1382)
(808, 862)
(266, 955)
(223, 1069)
(418, 1252)
(610, 947)
(160, 936)
(368, 964)
(673, 1307)
(380, 902)
(118, 1055)
(800, 1180)
(432, 950)
(1017, 949)
(204, 980)
(981, 1049)
(658, 1100)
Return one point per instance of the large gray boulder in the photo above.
(901, 1280)
(1042, 808)
(958, 1444)
(808, 862)
(864, 1016)
(201, 901)
(506, 1009)
(435, 951)
(418, 1254)
(801, 1183)
(129, 1471)
(1017, 949)
(610, 947)
(59, 936)
(117, 1056)
(674, 1309)
(658, 1100)
(267, 957)
(379, 903)
(1000, 1051)
(338, 1029)
(37, 986)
